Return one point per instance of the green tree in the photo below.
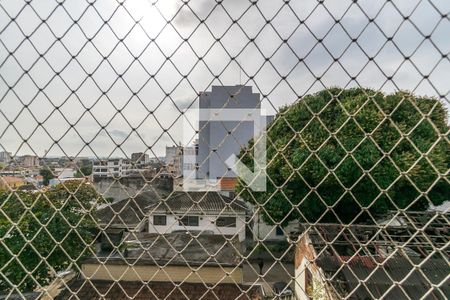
(84, 170)
(37, 227)
(349, 154)
(47, 174)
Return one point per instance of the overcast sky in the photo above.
(97, 75)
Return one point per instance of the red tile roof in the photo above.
(228, 183)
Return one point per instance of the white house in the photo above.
(206, 212)
(265, 232)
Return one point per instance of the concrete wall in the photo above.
(263, 231)
(215, 134)
(206, 223)
(204, 274)
(304, 257)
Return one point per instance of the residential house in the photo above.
(35, 180)
(62, 175)
(128, 214)
(207, 212)
(266, 232)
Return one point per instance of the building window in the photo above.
(160, 220)
(226, 222)
(116, 169)
(189, 221)
(279, 231)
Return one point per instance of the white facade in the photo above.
(206, 223)
(63, 173)
(116, 168)
(265, 232)
(107, 168)
(305, 283)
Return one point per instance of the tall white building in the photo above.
(116, 167)
(120, 167)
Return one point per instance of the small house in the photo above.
(206, 212)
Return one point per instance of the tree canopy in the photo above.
(46, 174)
(35, 226)
(349, 154)
(84, 170)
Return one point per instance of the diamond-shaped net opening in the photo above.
(224, 149)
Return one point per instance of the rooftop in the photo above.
(179, 248)
(128, 212)
(380, 261)
(346, 275)
(418, 233)
(199, 202)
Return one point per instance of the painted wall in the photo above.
(304, 257)
(206, 223)
(204, 274)
(263, 231)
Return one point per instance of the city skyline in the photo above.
(72, 101)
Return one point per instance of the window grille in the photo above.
(189, 221)
(159, 220)
(226, 222)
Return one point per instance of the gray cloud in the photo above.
(124, 80)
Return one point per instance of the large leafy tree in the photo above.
(46, 174)
(84, 170)
(351, 154)
(48, 231)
